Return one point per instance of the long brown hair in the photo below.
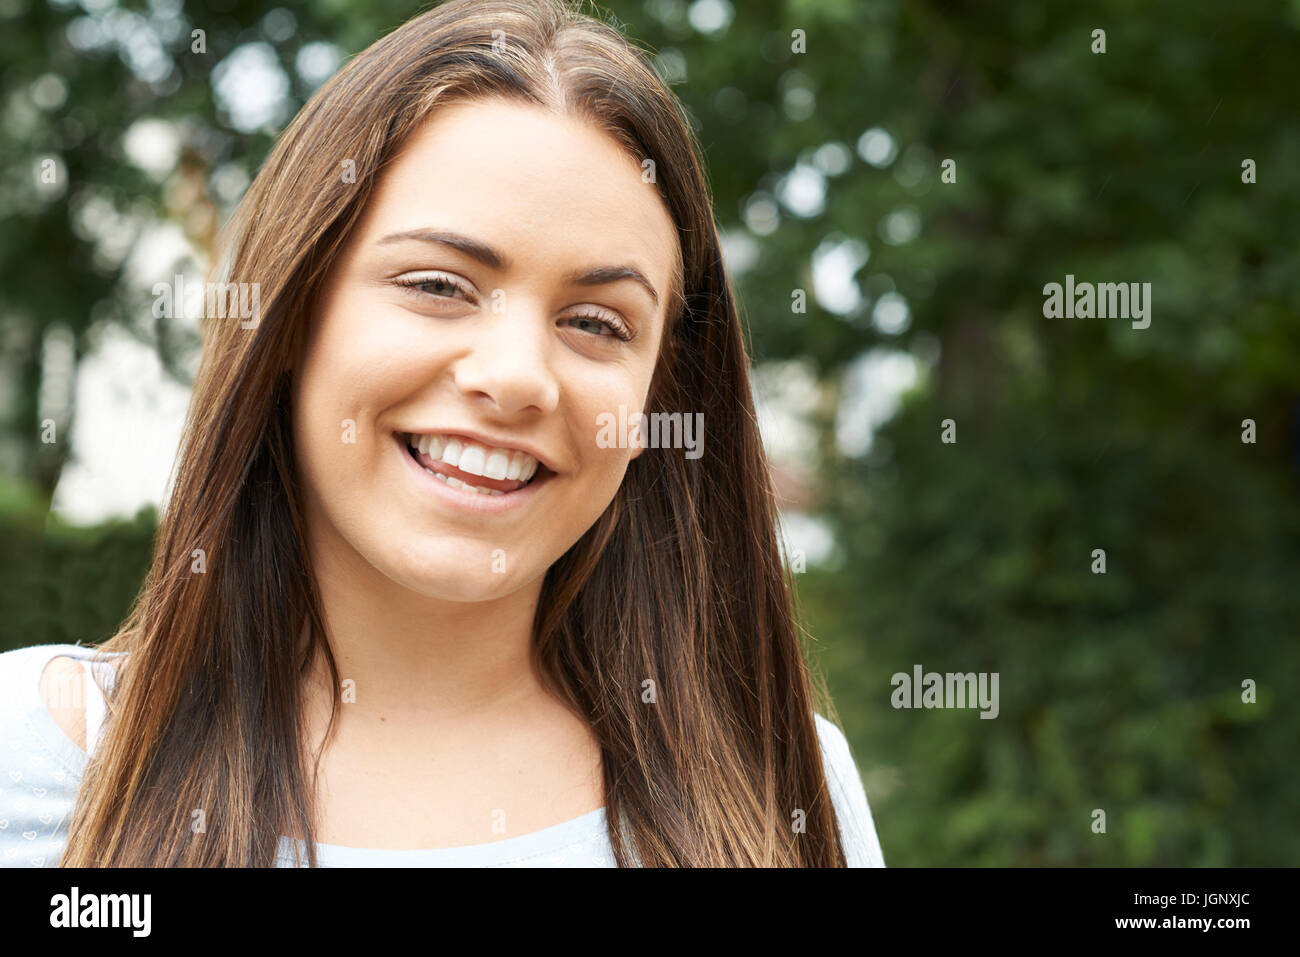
(205, 717)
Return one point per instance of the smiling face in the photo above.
(506, 286)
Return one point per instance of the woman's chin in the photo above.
(456, 581)
(465, 590)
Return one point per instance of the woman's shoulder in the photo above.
(47, 695)
(40, 766)
(41, 686)
(849, 797)
(21, 670)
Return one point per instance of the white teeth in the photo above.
(498, 463)
(455, 482)
(472, 459)
(493, 463)
(451, 453)
(516, 465)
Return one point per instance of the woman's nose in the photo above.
(508, 364)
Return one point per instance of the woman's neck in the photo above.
(405, 656)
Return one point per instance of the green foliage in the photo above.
(68, 584)
(1120, 691)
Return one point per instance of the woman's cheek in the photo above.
(329, 434)
(608, 470)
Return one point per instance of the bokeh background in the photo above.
(1120, 691)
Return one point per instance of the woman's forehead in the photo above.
(518, 175)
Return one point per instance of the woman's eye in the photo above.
(440, 287)
(444, 287)
(592, 324)
(599, 326)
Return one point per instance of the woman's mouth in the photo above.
(472, 467)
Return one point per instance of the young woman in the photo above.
(409, 602)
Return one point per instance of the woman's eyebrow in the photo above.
(482, 252)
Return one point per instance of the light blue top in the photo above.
(41, 769)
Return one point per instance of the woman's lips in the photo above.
(476, 456)
(484, 503)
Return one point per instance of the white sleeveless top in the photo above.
(41, 770)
